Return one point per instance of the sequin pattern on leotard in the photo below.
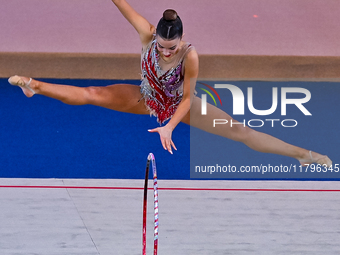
(161, 90)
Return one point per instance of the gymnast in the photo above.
(169, 68)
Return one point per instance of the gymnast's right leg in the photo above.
(120, 97)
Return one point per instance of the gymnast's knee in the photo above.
(240, 133)
(93, 95)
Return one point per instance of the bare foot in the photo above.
(316, 158)
(24, 83)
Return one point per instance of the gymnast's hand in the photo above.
(165, 135)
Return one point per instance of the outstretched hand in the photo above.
(165, 135)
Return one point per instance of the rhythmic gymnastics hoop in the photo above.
(151, 158)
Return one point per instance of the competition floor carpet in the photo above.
(92, 217)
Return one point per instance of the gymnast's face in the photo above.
(167, 48)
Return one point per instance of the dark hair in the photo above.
(170, 25)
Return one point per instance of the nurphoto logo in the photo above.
(238, 100)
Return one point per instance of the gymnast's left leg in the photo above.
(255, 140)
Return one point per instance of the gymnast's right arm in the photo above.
(143, 27)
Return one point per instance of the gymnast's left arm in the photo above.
(189, 83)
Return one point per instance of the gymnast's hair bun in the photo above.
(170, 25)
(170, 15)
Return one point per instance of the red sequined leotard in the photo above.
(162, 90)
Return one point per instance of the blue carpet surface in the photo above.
(44, 138)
